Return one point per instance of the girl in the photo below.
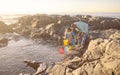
(69, 34)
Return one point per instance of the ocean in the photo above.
(10, 19)
(113, 15)
(102, 14)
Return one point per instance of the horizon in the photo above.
(58, 6)
(62, 13)
(99, 14)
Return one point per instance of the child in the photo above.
(69, 34)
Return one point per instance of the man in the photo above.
(81, 29)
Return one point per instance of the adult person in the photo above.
(82, 31)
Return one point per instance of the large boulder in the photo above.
(97, 47)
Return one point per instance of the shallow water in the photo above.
(12, 56)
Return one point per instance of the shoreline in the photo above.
(104, 40)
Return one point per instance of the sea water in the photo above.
(102, 14)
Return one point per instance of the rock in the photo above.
(94, 21)
(115, 24)
(113, 48)
(57, 70)
(25, 20)
(79, 71)
(107, 33)
(107, 24)
(4, 28)
(85, 69)
(26, 32)
(13, 26)
(3, 42)
(33, 64)
(98, 70)
(89, 67)
(49, 26)
(43, 20)
(112, 65)
(68, 71)
(35, 24)
(41, 69)
(72, 54)
(97, 47)
(104, 34)
(116, 35)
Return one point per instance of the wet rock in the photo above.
(41, 69)
(33, 64)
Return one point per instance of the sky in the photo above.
(58, 6)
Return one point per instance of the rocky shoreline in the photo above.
(101, 57)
